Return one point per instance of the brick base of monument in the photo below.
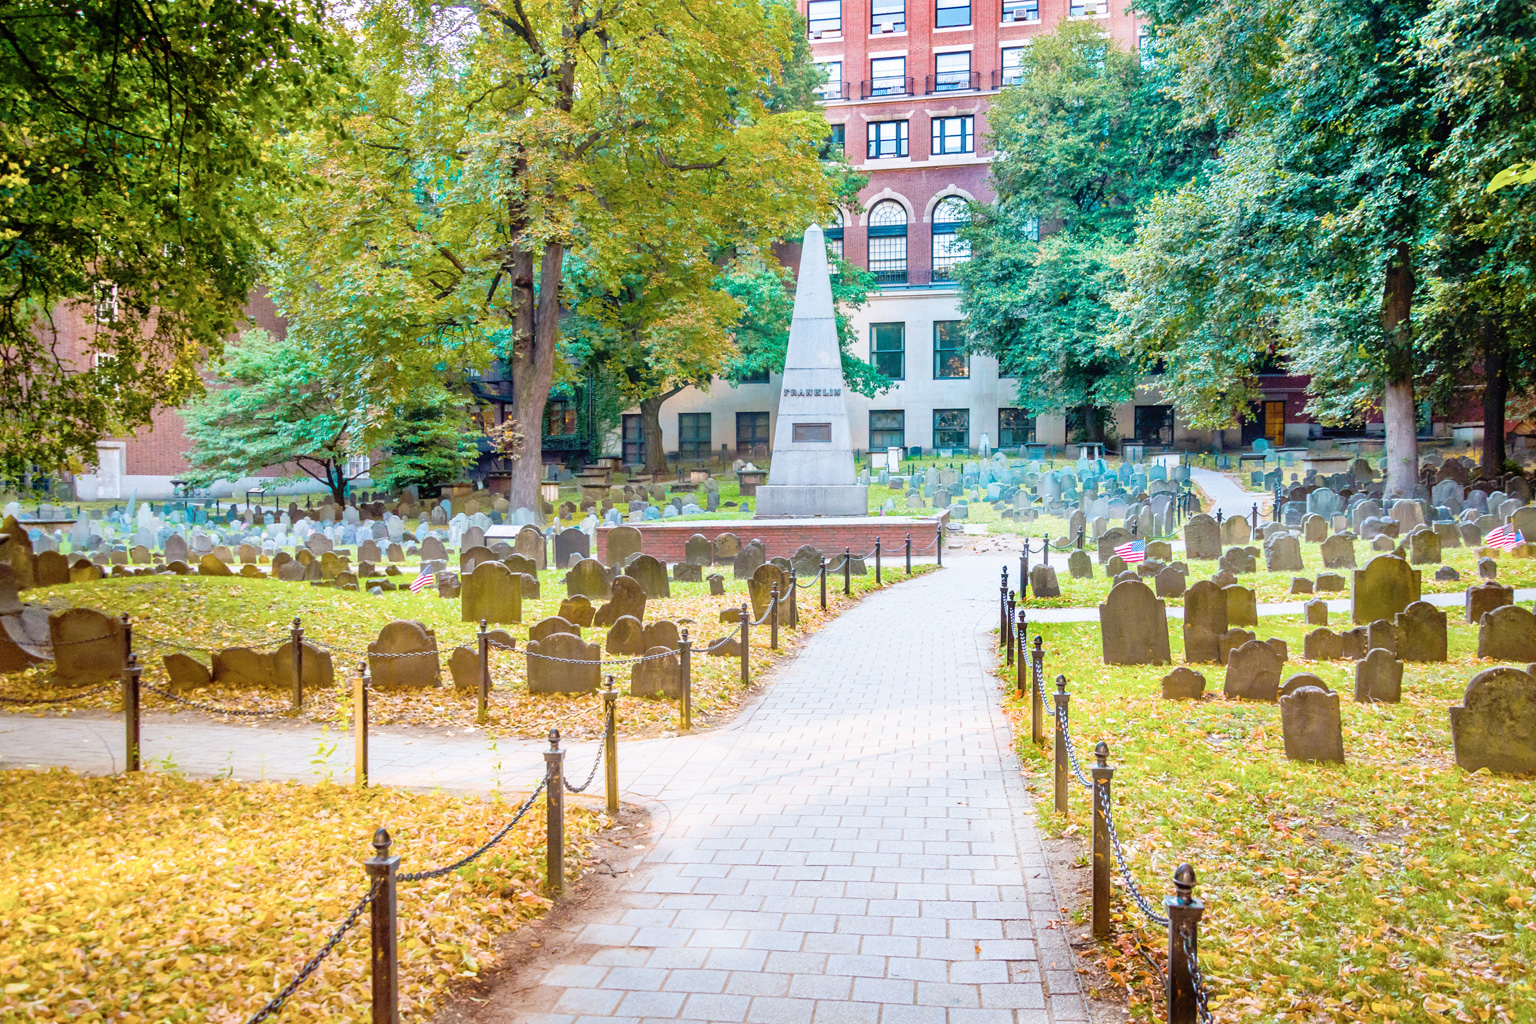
(668, 541)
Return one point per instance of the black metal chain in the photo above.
(1061, 723)
(422, 876)
(590, 775)
(1195, 975)
(277, 1001)
(55, 700)
(213, 708)
(1125, 870)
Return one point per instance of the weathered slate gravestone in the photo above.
(470, 558)
(1487, 568)
(210, 565)
(1378, 678)
(243, 668)
(658, 676)
(491, 592)
(1169, 582)
(368, 551)
(1485, 597)
(577, 610)
(292, 572)
(1253, 672)
(623, 541)
(1133, 626)
(1314, 528)
(760, 589)
(1183, 684)
(1282, 553)
(571, 542)
(1494, 726)
(529, 543)
(464, 669)
(807, 561)
(51, 569)
(87, 646)
(1507, 634)
(1381, 634)
(1111, 539)
(185, 673)
(577, 672)
(651, 574)
(1205, 621)
(1421, 633)
(716, 585)
(395, 553)
(698, 550)
(1042, 581)
(550, 625)
(1202, 538)
(1322, 644)
(176, 548)
(628, 599)
(1301, 585)
(1386, 586)
(432, 549)
(319, 670)
(1300, 679)
(687, 572)
(725, 548)
(1311, 726)
(1424, 547)
(1338, 551)
(140, 555)
(404, 657)
(1235, 530)
(1242, 606)
(588, 578)
(663, 633)
(749, 558)
(626, 638)
(1080, 565)
(1329, 583)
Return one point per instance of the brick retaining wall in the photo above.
(667, 541)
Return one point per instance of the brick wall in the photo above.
(668, 541)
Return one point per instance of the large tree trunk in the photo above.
(1495, 394)
(536, 328)
(650, 425)
(1398, 411)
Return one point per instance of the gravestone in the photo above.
(1421, 632)
(1386, 586)
(1487, 568)
(1485, 597)
(1338, 551)
(577, 610)
(698, 550)
(577, 670)
(87, 646)
(1183, 684)
(658, 676)
(491, 592)
(210, 565)
(1205, 620)
(626, 638)
(716, 585)
(807, 561)
(1378, 678)
(1507, 634)
(571, 542)
(1242, 606)
(748, 559)
(530, 544)
(318, 669)
(464, 669)
(1329, 583)
(1110, 540)
(404, 657)
(1301, 585)
(588, 578)
(1322, 644)
(725, 548)
(1080, 565)
(1042, 581)
(1381, 634)
(176, 548)
(1494, 726)
(760, 589)
(470, 558)
(292, 572)
(185, 673)
(1314, 528)
(243, 668)
(687, 572)
(1169, 582)
(1424, 547)
(550, 625)
(521, 564)
(623, 541)
(50, 569)
(1202, 538)
(1235, 530)
(1311, 727)
(1133, 626)
(431, 550)
(651, 574)
(1282, 553)
(1253, 672)
(628, 599)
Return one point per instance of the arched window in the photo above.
(834, 234)
(888, 242)
(948, 247)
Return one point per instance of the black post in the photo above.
(1045, 548)
(909, 554)
(1081, 530)
(360, 728)
(127, 624)
(1183, 947)
(483, 684)
(1012, 604)
(794, 600)
(1037, 701)
(381, 868)
(611, 746)
(297, 697)
(823, 584)
(554, 823)
(877, 561)
(938, 543)
(1060, 756)
(1021, 676)
(847, 571)
(1103, 775)
(773, 617)
(746, 642)
(131, 676)
(1002, 605)
(685, 668)
(1255, 517)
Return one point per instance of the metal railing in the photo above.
(874, 88)
(954, 81)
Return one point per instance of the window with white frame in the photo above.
(1088, 8)
(887, 16)
(832, 89)
(1013, 65)
(824, 16)
(888, 241)
(887, 139)
(951, 13)
(1021, 10)
(951, 71)
(834, 235)
(888, 76)
(949, 215)
(953, 135)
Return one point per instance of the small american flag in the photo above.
(426, 579)
(1504, 538)
(1135, 551)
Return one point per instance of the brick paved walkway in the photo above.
(857, 849)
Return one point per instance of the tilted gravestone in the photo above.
(1205, 620)
(1507, 634)
(1378, 678)
(1183, 684)
(760, 589)
(1311, 726)
(716, 585)
(807, 561)
(658, 676)
(623, 541)
(748, 559)
(563, 663)
(578, 610)
(1421, 633)
(1042, 581)
(1329, 583)
(1338, 551)
(464, 669)
(1494, 726)
(588, 578)
(210, 565)
(651, 574)
(491, 592)
(87, 646)
(1202, 538)
(404, 657)
(1253, 672)
(1282, 553)
(1386, 586)
(1133, 626)
(698, 550)
(50, 569)
(185, 673)
(1485, 597)
(1424, 547)
(628, 599)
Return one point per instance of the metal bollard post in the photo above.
(877, 561)
(1184, 996)
(1255, 517)
(794, 600)
(554, 830)
(1002, 605)
(909, 554)
(823, 584)
(1037, 701)
(847, 572)
(773, 617)
(483, 684)
(360, 727)
(131, 676)
(297, 697)
(1103, 775)
(746, 641)
(611, 746)
(1081, 531)
(1024, 563)
(127, 625)
(1021, 680)
(1060, 757)
(938, 545)
(685, 669)
(381, 869)
(1012, 604)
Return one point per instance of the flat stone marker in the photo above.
(1310, 724)
(1253, 672)
(1378, 678)
(1133, 626)
(1494, 726)
(577, 674)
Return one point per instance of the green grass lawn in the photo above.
(1396, 887)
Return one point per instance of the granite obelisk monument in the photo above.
(812, 470)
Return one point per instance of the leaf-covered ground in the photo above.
(149, 898)
(171, 613)
(1394, 888)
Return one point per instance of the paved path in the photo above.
(1224, 493)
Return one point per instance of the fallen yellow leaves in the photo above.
(155, 898)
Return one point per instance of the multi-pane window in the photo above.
(1015, 428)
(887, 139)
(888, 240)
(1146, 48)
(1087, 8)
(1154, 423)
(836, 143)
(1013, 65)
(559, 418)
(951, 13)
(949, 359)
(887, 429)
(1021, 10)
(887, 16)
(693, 435)
(751, 433)
(951, 71)
(1031, 229)
(834, 236)
(825, 16)
(888, 349)
(633, 428)
(952, 428)
(953, 135)
(948, 247)
(888, 76)
(833, 89)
